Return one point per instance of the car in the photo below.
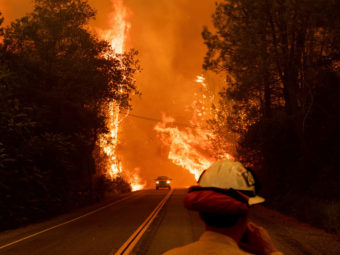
(163, 182)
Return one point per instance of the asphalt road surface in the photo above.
(104, 228)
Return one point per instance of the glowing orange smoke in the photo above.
(191, 147)
(108, 143)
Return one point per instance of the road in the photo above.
(104, 228)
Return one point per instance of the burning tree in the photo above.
(122, 86)
(58, 82)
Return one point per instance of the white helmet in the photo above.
(227, 174)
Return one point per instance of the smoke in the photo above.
(13, 9)
(167, 34)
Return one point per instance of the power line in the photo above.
(157, 120)
(142, 117)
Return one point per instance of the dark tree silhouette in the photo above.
(281, 59)
(54, 77)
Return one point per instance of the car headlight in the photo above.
(168, 182)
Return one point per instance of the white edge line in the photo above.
(64, 223)
(127, 247)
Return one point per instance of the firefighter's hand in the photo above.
(258, 241)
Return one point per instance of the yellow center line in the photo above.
(128, 246)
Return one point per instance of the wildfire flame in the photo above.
(108, 142)
(119, 26)
(200, 79)
(191, 147)
(135, 181)
(187, 147)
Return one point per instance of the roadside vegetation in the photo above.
(281, 103)
(54, 77)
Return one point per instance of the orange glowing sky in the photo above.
(167, 34)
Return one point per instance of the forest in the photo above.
(279, 108)
(55, 75)
(281, 102)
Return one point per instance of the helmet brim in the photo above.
(255, 200)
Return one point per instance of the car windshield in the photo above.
(162, 178)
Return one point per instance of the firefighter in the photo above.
(222, 198)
